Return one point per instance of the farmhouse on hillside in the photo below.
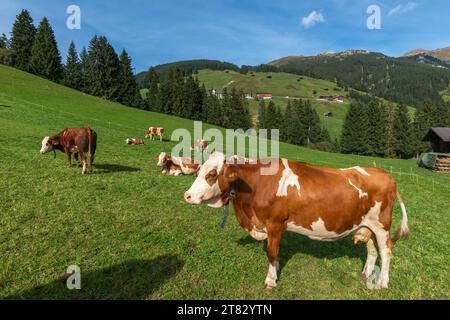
(439, 138)
(264, 95)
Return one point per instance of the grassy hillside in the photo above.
(282, 85)
(132, 235)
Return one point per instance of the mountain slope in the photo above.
(399, 80)
(441, 54)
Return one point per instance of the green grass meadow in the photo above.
(133, 236)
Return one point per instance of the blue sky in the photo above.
(242, 32)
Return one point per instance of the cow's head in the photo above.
(212, 186)
(162, 159)
(49, 144)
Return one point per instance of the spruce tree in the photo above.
(354, 131)
(102, 76)
(84, 66)
(45, 59)
(296, 130)
(311, 122)
(262, 122)
(72, 74)
(239, 115)
(377, 129)
(153, 83)
(402, 130)
(22, 39)
(213, 110)
(128, 93)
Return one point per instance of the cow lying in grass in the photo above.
(176, 165)
(74, 140)
(134, 141)
(321, 203)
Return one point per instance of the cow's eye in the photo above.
(211, 175)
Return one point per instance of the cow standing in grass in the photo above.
(154, 132)
(322, 203)
(74, 140)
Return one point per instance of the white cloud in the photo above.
(410, 6)
(313, 18)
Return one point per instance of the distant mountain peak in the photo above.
(441, 53)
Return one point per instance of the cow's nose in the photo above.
(187, 197)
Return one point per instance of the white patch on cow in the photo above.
(271, 278)
(359, 169)
(258, 235)
(372, 217)
(362, 194)
(288, 178)
(201, 191)
(46, 148)
(161, 159)
(183, 163)
(318, 231)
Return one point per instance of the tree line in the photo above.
(374, 128)
(98, 70)
(182, 95)
(298, 124)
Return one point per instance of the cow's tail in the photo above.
(92, 137)
(403, 230)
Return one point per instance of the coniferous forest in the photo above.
(371, 127)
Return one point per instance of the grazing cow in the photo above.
(153, 132)
(134, 141)
(74, 140)
(177, 165)
(200, 145)
(321, 203)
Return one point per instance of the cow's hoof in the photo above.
(381, 286)
(270, 284)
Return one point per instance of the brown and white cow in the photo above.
(322, 203)
(153, 132)
(134, 141)
(73, 140)
(177, 165)
(200, 145)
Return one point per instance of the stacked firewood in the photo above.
(443, 164)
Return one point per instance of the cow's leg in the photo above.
(75, 155)
(69, 159)
(83, 161)
(384, 243)
(273, 246)
(372, 256)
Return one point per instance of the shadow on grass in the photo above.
(5, 106)
(109, 168)
(133, 279)
(292, 244)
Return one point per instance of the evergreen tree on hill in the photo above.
(128, 93)
(262, 122)
(45, 59)
(22, 39)
(153, 82)
(85, 66)
(72, 74)
(103, 74)
(354, 131)
(377, 129)
(402, 130)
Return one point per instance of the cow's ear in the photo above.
(231, 173)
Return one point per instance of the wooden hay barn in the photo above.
(439, 138)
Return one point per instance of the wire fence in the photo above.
(431, 183)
